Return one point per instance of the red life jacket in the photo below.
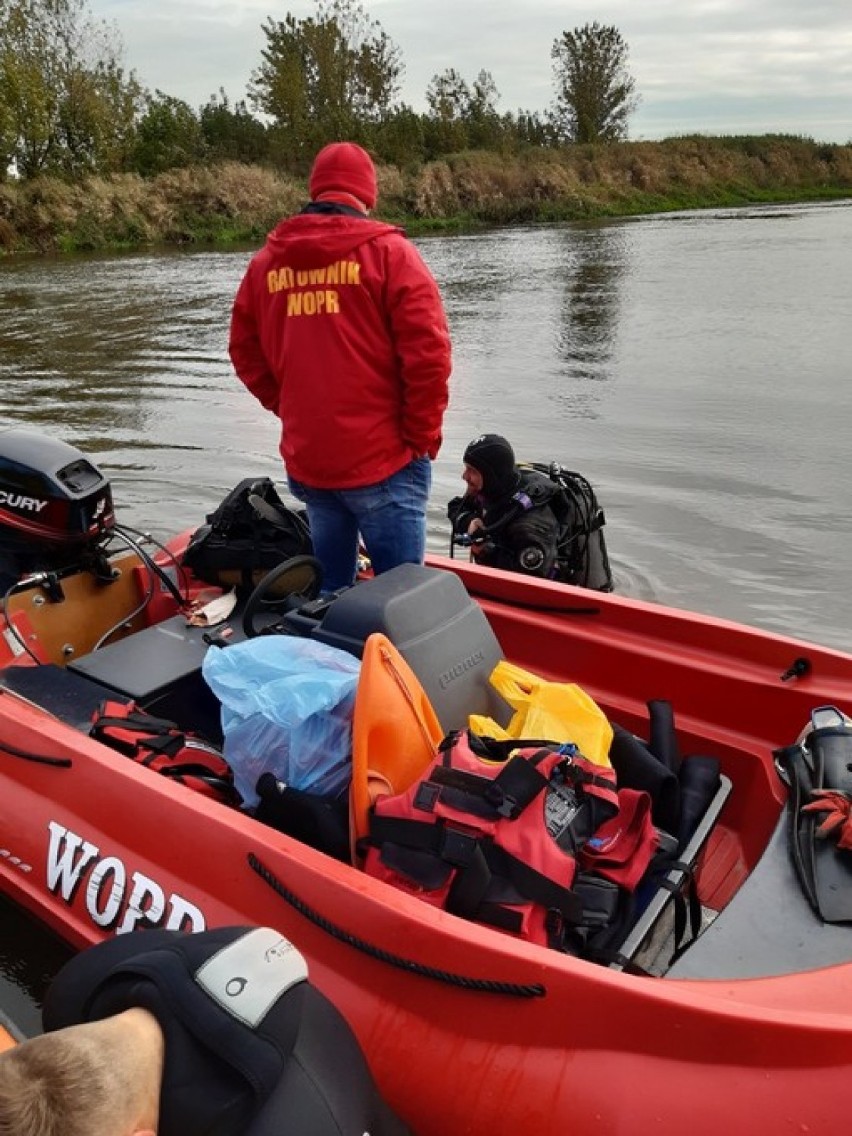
(622, 848)
(494, 840)
(165, 748)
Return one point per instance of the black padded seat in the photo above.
(159, 668)
(70, 697)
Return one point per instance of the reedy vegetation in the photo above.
(96, 161)
(231, 202)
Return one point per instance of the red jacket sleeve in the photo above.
(422, 343)
(245, 349)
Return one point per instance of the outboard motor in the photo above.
(55, 506)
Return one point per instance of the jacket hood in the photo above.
(310, 240)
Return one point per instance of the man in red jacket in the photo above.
(338, 329)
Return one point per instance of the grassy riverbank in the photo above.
(232, 203)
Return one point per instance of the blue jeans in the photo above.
(390, 517)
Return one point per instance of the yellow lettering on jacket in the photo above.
(277, 279)
(304, 298)
(340, 272)
(313, 303)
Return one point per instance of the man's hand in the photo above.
(477, 547)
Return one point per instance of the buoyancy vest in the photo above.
(581, 556)
(494, 840)
(165, 748)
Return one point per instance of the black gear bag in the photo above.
(248, 535)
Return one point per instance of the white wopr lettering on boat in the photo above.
(115, 898)
(248, 976)
(64, 869)
(147, 904)
(105, 891)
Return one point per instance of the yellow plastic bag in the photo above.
(555, 711)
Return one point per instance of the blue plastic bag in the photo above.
(287, 706)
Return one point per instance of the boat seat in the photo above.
(443, 635)
(768, 928)
(70, 697)
(160, 669)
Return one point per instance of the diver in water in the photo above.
(531, 518)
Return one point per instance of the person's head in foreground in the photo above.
(96, 1079)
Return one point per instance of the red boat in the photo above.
(468, 1029)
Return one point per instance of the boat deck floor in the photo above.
(768, 928)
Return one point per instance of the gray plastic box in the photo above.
(438, 629)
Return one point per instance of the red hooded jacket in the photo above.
(338, 328)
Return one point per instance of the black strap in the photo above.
(507, 795)
(494, 749)
(279, 516)
(533, 885)
(160, 747)
(193, 769)
(160, 738)
(137, 720)
(470, 886)
(479, 856)
(221, 783)
(687, 906)
(515, 787)
(442, 840)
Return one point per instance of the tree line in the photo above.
(69, 107)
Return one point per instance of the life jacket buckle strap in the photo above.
(515, 787)
(427, 797)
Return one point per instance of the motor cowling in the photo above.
(55, 505)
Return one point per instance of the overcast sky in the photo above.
(708, 66)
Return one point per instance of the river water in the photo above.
(696, 367)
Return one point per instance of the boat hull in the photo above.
(468, 1030)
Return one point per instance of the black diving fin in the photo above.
(820, 760)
